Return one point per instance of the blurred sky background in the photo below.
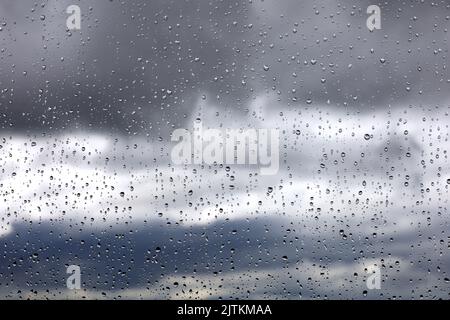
(86, 176)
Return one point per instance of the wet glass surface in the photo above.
(355, 204)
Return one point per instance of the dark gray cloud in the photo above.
(141, 66)
(266, 252)
(133, 66)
